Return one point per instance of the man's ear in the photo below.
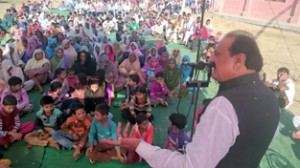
(239, 60)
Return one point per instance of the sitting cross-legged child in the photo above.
(48, 118)
(143, 129)
(16, 89)
(55, 92)
(74, 132)
(177, 138)
(103, 128)
(133, 82)
(159, 91)
(61, 76)
(11, 129)
(139, 103)
(72, 79)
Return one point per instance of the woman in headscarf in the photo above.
(172, 77)
(33, 43)
(149, 70)
(177, 55)
(152, 53)
(74, 43)
(185, 69)
(12, 65)
(84, 64)
(11, 53)
(59, 38)
(164, 59)
(5, 37)
(42, 39)
(117, 50)
(104, 42)
(69, 51)
(86, 42)
(130, 65)
(134, 48)
(97, 52)
(21, 45)
(50, 49)
(109, 52)
(111, 73)
(37, 69)
(59, 60)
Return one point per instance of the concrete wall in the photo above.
(285, 12)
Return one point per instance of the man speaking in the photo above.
(239, 123)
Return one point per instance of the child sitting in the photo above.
(11, 129)
(159, 91)
(133, 82)
(60, 75)
(55, 93)
(47, 119)
(72, 79)
(93, 95)
(103, 128)
(143, 129)
(16, 89)
(98, 91)
(78, 93)
(139, 103)
(74, 131)
(177, 138)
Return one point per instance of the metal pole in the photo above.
(195, 109)
(202, 11)
(201, 25)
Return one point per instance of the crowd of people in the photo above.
(86, 57)
(97, 50)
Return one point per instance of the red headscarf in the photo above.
(111, 54)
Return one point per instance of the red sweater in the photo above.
(147, 136)
(9, 122)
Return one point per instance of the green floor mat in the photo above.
(54, 159)
(23, 157)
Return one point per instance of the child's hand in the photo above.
(76, 137)
(160, 100)
(15, 135)
(76, 154)
(43, 136)
(90, 149)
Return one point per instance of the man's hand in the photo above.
(122, 159)
(130, 143)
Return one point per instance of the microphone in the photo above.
(201, 65)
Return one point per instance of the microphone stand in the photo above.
(195, 107)
(197, 84)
